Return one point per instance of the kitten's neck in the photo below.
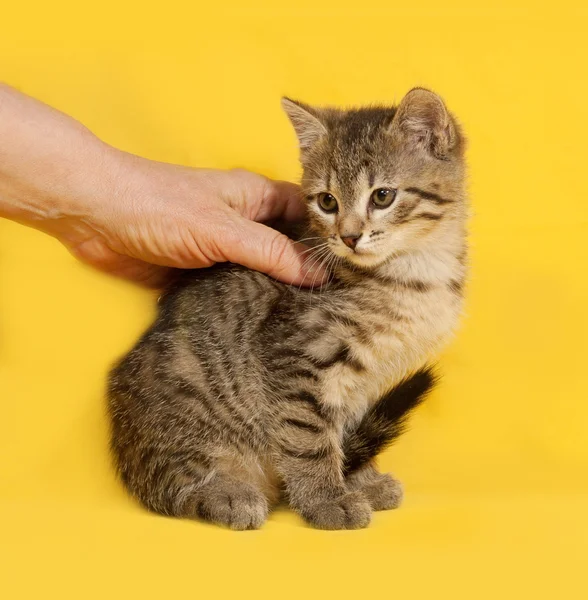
(431, 266)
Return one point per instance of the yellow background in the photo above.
(496, 463)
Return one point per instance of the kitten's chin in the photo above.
(366, 259)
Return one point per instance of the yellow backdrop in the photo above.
(496, 463)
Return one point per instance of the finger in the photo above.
(264, 249)
(281, 200)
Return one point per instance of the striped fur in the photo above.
(245, 390)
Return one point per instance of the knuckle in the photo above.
(277, 251)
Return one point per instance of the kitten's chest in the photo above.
(384, 348)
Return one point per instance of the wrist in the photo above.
(52, 168)
(63, 190)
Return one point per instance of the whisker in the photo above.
(306, 252)
(315, 258)
(314, 248)
(310, 238)
(332, 265)
(323, 255)
(311, 256)
(328, 267)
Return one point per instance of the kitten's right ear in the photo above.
(306, 122)
(422, 116)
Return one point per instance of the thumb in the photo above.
(264, 249)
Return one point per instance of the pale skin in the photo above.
(137, 218)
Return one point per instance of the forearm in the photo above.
(50, 165)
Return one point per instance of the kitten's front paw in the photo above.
(236, 508)
(350, 511)
(384, 492)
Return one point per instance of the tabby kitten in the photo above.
(247, 390)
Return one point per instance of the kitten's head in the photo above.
(380, 182)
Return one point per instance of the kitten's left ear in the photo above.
(306, 122)
(422, 116)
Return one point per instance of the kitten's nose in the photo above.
(351, 239)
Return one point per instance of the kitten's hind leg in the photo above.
(226, 500)
(381, 489)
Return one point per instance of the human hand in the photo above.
(152, 216)
(134, 217)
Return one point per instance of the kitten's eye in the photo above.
(383, 197)
(328, 203)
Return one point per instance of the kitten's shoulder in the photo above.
(226, 281)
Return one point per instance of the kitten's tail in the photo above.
(386, 420)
